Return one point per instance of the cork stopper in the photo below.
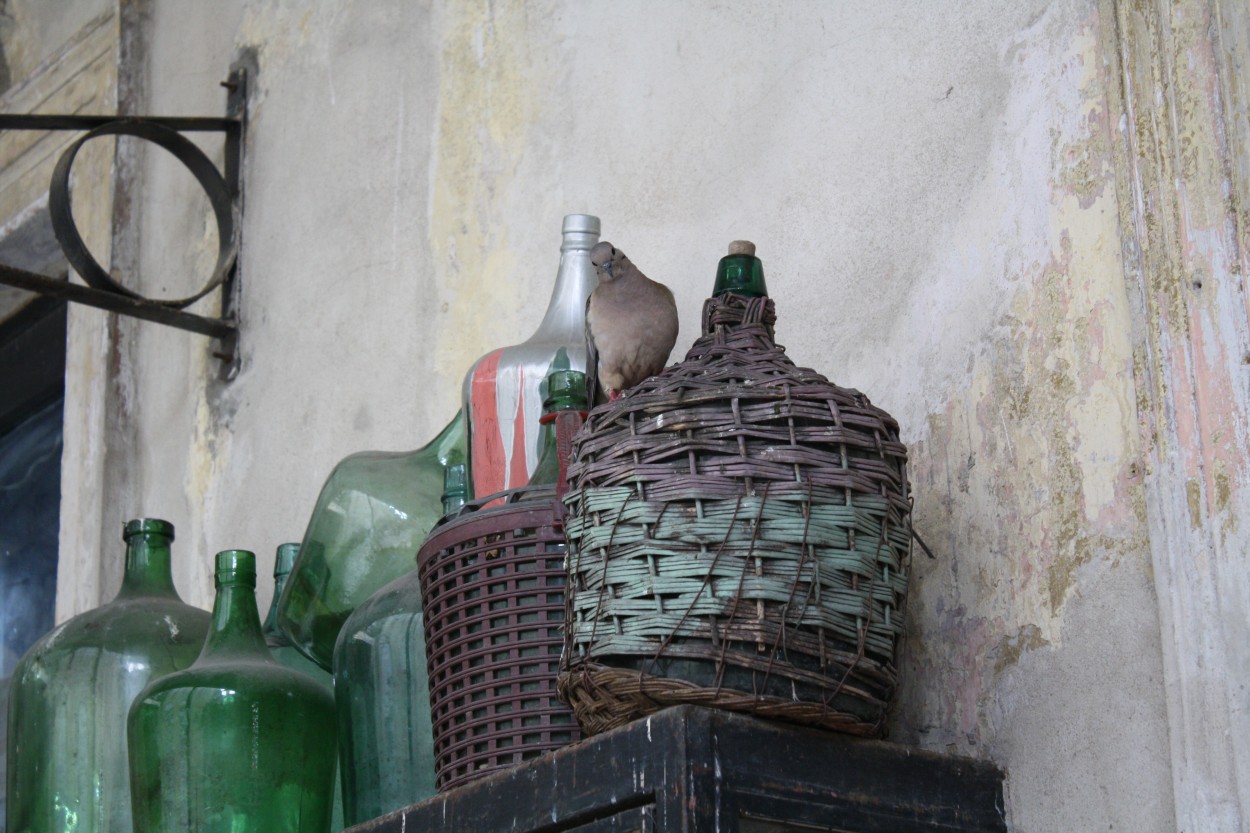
(742, 247)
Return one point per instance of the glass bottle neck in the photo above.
(148, 571)
(271, 620)
(235, 628)
(575, 280)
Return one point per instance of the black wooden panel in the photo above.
(825, 779)
(693, 770)
(638, 820)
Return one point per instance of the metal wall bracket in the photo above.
(224, 189)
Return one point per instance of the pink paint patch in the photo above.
(518, 471)
(487, 451)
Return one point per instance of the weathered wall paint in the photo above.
(488, 93)
(941, 200)
(1184, 193)
(1036, 624)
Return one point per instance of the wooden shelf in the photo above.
(698, 770)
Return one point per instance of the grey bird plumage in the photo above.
(631, 324)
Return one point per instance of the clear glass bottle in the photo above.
(386, 743)
(287, 654)
(374, 511)
(501, 390)
(236, 743)
(67, 764)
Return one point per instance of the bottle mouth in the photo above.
(581, 224)
(285, 559)
(740, 272)
(236, 567)
(140, 526)
(565, 389)
(581, 231)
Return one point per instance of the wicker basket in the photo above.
(493, 583)
(738, 537)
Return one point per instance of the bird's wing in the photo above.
(593, 393)
(665, 330)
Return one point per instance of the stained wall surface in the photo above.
(938, 193)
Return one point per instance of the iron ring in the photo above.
(186, 152)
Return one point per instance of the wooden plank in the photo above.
(694, 770)
(865, 785)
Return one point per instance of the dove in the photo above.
(631, 324)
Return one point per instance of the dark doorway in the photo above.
(32, 397)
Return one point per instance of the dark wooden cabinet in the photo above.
(697, 770)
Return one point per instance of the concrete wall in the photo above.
(945, 199)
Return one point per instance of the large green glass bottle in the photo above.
(286, 653)
(380, 672)
(72, 689)
(236, 743)
(370, 519)
(386, 742)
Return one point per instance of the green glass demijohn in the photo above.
(371, 517)
(287, 654)
(386, 741)
(236, 743)
(67, 768)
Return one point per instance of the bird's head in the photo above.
(609, 261)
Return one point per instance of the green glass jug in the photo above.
(67, 767)
(286, 654)
(236, 743)
(381, 677)
(386, 742)
(370, 519)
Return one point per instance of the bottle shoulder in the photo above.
(401, 597)
(237, 679)
(128, 625)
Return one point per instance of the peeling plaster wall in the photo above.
(934, 191)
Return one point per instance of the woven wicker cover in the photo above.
(738, 537)
(493, 582)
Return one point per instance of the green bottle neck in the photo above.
(284, 562)
(235, 628)
(566, 391)
(455, 487)
(271, 619)
(148, 571)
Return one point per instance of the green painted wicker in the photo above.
(738, 536)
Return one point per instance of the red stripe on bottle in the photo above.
(487, 452)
